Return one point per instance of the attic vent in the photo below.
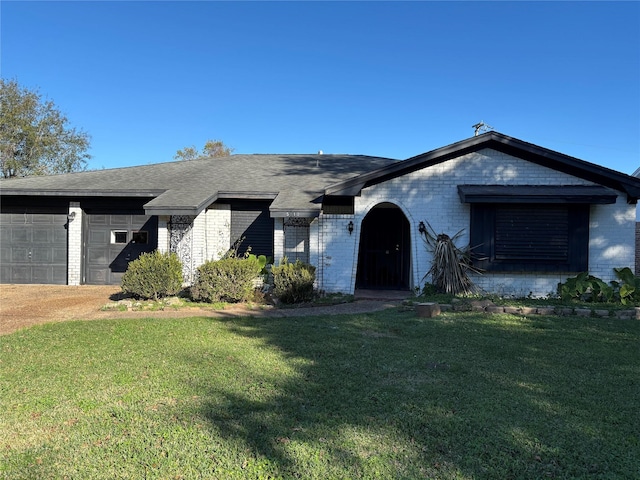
(320, 152)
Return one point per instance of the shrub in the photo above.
(153, 275)
(585, 288)
(293, 282)
(628, 288)
(227, 280)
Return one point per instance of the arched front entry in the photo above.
(384, 258)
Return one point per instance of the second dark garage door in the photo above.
(112, 241)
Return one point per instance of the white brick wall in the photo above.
(431, 195)
(637, 270)
(163, 233)
(278, 240)
(337, 253)
(611, 238)
(74, 235)
(218, 231)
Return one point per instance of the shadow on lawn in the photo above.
(390, 395)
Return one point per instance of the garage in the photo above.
(33, 246)
(112, 240)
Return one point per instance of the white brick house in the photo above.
(537, 216)
(431, 194)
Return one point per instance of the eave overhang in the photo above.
(79, 193)
(167, 204)
(567, 194)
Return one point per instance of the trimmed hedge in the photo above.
(293, 282)
(153, 275)
(226, 280)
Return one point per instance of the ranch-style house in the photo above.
(534, 216)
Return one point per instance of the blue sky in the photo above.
(392, 79)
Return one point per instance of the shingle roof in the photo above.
(295, 183)
(187, 187)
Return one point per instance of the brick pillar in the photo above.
(74, 236)
(163, 233)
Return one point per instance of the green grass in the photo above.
(385, 395)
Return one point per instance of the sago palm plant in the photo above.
(450, 264)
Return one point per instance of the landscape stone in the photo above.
(427, 310)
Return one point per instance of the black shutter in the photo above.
(530, 237)
(532, 234)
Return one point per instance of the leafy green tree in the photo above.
(35, 137)
(213, 148)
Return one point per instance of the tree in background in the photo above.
(213, 148)
(35, 137)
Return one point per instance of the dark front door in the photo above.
(384, 256)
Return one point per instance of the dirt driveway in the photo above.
(23, 306)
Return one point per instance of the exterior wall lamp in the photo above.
(71, 216)
(422, 228)
(350, 227)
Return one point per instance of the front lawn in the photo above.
(384, 395)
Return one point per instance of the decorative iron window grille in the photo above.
(181, 243)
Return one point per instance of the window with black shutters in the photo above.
(530, 237)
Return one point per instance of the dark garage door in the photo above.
(33, 248)
(112, 241)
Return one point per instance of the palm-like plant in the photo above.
(450, 264)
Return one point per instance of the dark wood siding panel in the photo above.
(252, 226)
(338, 205)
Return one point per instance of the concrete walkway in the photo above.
(395, 295)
